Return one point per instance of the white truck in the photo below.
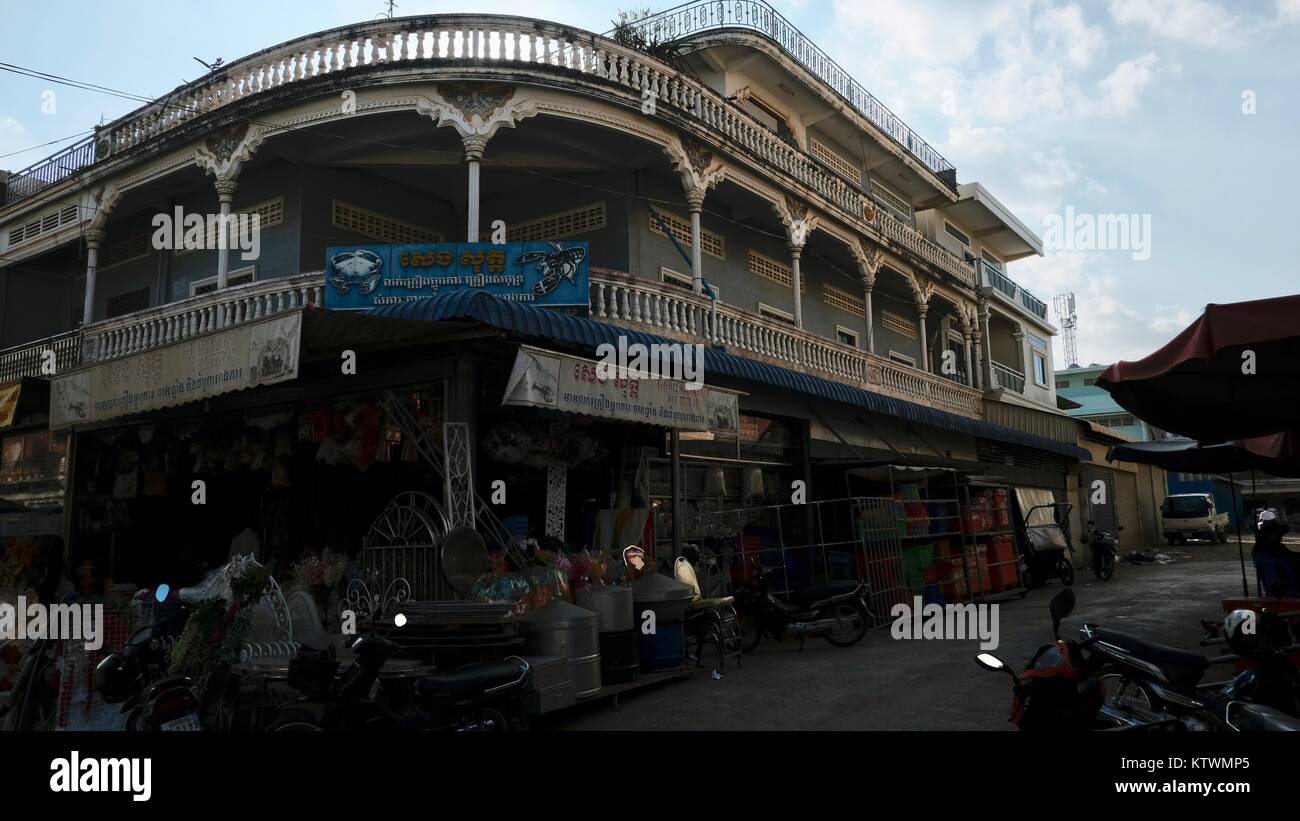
(1186, 516)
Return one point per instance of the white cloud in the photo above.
(1198, 22)
(1067, 33)
(14, 136)
(1121, 90)
(1288, 11)
(1170, 320)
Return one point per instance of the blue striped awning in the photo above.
(543, 324)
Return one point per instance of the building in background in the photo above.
(1079, 384)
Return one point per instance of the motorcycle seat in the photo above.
(712, 604)
(468, 681)
(811, 595)
(1183, 668)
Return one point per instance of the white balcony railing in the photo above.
(673, 311)
(616, 297)
(176, 321)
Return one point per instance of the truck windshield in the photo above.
(1182, 507)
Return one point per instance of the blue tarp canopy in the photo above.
(525, 320)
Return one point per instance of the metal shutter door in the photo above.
(1102, 515)
(1127, 506)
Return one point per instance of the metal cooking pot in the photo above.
(613, 605)
(668, 598)
(561, 629)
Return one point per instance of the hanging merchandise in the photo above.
(500, 586)
(127, 475)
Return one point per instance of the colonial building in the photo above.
(866, 305)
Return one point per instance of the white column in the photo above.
(696, 201)
(970, 368)
(796, 282)
(474, 148)
(922, 309)
(94, 238)
(986, 354)
(225, 195)
(868, 285)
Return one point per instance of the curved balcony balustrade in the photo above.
(487, 44)
(616, 297)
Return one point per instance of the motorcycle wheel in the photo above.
(1065, 571)
(293, 725)
(847, 614)
(1107, 567)
(750, 635)
(489, 720)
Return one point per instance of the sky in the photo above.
(1184, 114)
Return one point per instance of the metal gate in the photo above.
(811, 544)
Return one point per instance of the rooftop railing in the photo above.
(993, 278)
(41, 175)
(756, 15)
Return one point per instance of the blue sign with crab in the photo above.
(540, 273)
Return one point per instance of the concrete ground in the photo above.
(888, 684)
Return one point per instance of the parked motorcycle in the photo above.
(837, 612)
(136, 677)
(1103, 544)
(1056, 691)
(474, 697)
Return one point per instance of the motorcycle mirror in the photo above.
(990, 662)
(1062, 605)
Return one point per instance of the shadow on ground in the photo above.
(887, 684)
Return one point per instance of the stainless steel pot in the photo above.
(613, 605)
(561, 629)
(668, 598)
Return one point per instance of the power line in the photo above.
(51, 142)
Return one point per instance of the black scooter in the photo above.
(473, 698)
(1103, 544)
(136, 677)
(837, 612)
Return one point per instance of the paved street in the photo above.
(884, 684)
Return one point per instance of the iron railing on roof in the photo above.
(37, 177)
(701, 15)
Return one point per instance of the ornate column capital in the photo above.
(95, 237)
(797, 217)
(223, 153)
(476, 111)
(795, 249)
(697, 165)
(103, 201)
(870, 258)
(226, 189)
(695, 199)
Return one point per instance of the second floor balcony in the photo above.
(616, 297)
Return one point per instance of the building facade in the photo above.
(745, 195)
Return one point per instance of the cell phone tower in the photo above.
(1065, 311)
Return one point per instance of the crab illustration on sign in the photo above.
(554, 265)
(360, 269)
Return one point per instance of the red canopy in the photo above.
(1234, 373)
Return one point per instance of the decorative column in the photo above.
(986, 353)
(796, 280)
(966, 338)
(94, 239)
(798, 221)
(225, 196)
(474, 148)
(699, 171)
(476, 112)
(1019, 336)
(923, 308)
(869, 259)
(695, 199)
